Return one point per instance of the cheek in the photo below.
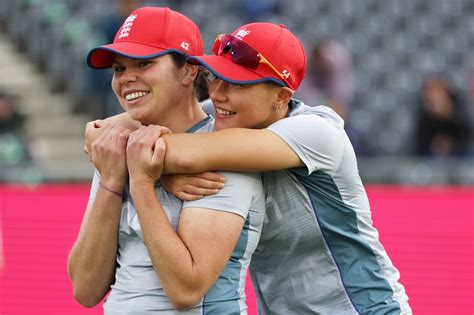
(115, 86)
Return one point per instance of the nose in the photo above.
(218, 90)
(128, 75)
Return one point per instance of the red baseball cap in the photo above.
(150, 32)
(257, 52)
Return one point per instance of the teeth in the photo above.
(224, 112)
(135, 95)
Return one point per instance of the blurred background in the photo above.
(400, 72)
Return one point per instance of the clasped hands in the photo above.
(119, 154)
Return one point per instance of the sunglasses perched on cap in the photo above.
(243, 54)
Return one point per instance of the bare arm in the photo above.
(234, 149)
(188, 261)
(91, 263)
(185, 187)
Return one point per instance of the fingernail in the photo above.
(222, 179)
(221, 185)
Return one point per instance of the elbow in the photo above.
(86, 298)
(86, 293)
(185, 297)
(185, 302)
(82, 294)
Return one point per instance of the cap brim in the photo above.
(103, 56)
(228, 71)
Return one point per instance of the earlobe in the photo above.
(190, 74)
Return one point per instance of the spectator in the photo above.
(442, 126)
(16, 163)
(10, 119)
(329, 79)
(13, 150)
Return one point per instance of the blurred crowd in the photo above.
(442, 121)
(433, 119)
(14, 150)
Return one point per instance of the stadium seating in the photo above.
(394, 44)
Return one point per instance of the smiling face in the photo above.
(146, 88)
(245, 106)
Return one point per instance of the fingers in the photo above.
(159, 151)
(108, 154)
(146, 136)
(121, 135)
(87, 153)
(94, 130)
(211, 176)
(99, 123)
(112, 140)
(96, 127)
(194, 190)
(188, 197)
(204, 184)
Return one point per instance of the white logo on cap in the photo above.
(185, 45)
(285, 73)
(242, 33)
(127, 26)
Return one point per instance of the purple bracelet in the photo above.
(111, 190)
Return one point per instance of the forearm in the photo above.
(124, 120)
(233, 149)
(181, 276)
(92, 261)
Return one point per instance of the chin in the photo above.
(138, 114)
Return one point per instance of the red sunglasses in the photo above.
(243, 54)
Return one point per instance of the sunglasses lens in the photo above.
(241, 53)
(245, 55)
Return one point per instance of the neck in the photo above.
(278, 115)
(183, 116)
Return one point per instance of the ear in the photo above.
(190, 74)
(284, 96)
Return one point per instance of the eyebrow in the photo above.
(117, 63)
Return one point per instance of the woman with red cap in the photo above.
(134, 240)
(319, 252)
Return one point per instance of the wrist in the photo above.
(113, 183)
(117, 192)
(141, 185)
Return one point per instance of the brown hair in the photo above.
(201, 84)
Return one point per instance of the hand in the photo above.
(92, 132)
(95, 128)
(193, 186)
(146, 153)
(108, 155)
